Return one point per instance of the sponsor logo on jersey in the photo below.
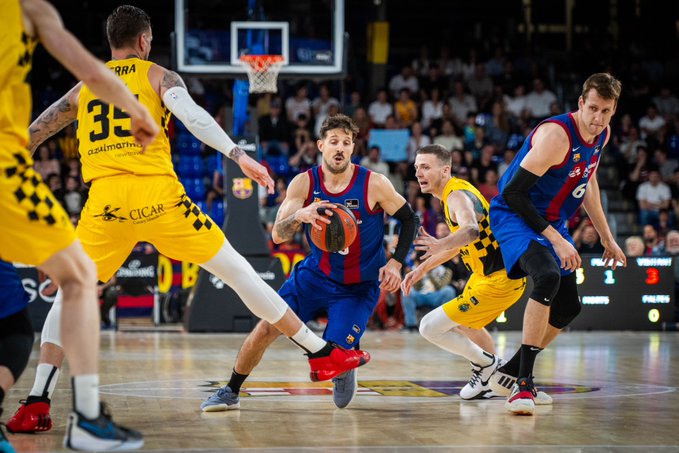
(109, 214)
(147, 213)
(351, 204)
(242, 188)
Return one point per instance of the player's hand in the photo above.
(613, 255)
(410, 279)
(254, 170)
(314, 213)
(569, 257)
(426, 243)
(144, 128)
(390, 276)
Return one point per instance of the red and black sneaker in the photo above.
(522, 399)
(33, 416)
(338, 361)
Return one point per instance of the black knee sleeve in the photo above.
(16, 342)
(566, 304)
(541, 266)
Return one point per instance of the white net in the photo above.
(262, 72)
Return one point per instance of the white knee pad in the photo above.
(235, 271)
(439, 329)
(436, 323)
(51, 330)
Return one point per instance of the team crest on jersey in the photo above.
(350, 339)
(242, 188)
(351, 204)
(464, 307)
(576, 157)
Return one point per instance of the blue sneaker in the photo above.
(100, 434)
(222, 400)
(344, 388)
(5, 446)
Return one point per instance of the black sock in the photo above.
(236, 381)
(528, 355)
(327, 349)
(512, 367)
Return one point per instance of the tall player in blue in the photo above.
(553, 173)
(347, 283)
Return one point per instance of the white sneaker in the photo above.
(478, 386)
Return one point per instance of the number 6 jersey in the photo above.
(559, 192)
(105, 142)
(557, 195)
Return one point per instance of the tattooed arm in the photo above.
(172, 91)
(292, 212)
(57, 116)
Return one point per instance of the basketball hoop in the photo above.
(262, 72)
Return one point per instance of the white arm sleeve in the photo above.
(197, 120)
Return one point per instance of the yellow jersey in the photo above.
(16, 55)
(483, 255)
(105, 143)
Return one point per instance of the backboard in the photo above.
(211, 35)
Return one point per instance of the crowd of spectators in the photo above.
(480, 107)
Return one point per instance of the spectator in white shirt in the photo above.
(652, 125)
(653, 195)
(299, 104)
(539, 100)
(461, 103)
(380, 109)
(406, 79)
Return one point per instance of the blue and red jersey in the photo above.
(560, 191)
(362, 260)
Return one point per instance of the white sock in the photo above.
(308, 340)
(46, 376)
(86, 395)
(439, 329)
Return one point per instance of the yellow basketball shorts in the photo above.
(34, 226)
(123, 210)
(484, 298)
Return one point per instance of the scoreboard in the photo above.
(637, 297)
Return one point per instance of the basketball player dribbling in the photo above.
(35, 229)
(127, 178)
(347, 283)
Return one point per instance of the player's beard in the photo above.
(334, 168)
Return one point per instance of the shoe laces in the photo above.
(222, 392)
(476, 375)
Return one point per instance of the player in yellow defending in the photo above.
(135, 196)
(36, 230)
(488, 292)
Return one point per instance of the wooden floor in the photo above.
(612, 392)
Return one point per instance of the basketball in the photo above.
(339, 233)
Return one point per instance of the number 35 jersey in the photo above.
(105, 141)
